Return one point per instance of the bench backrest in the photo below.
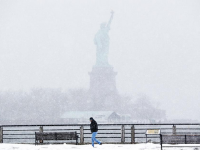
(55, 135)
(180, 139)
(173, 139)
(193, 139)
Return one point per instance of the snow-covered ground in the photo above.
(103, 147)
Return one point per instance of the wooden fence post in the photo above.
(132, 134)
(174, 129)
(41, 130)
(82, 135)
(1, 134)
(123, 134)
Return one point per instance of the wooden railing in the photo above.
(108, 133)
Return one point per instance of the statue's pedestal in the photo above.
(102, 84)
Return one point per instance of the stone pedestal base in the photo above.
(102, 85)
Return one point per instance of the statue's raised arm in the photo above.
(111, 18)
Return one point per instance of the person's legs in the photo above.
(92, 140)
(94, 137)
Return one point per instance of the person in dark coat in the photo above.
(94, 129)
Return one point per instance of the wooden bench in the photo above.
(41, 136)
(179, 139)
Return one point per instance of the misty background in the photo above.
(154, 48)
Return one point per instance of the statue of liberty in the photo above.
(101, 41)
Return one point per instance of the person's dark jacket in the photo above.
(93, 126)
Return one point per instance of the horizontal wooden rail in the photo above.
(53, 125)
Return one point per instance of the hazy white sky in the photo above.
(154, 47)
